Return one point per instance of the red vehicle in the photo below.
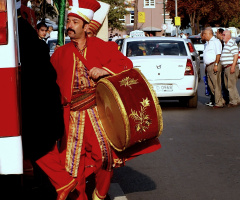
(11, 156)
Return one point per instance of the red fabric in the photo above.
(88, 4)
(99, 54)
(29, 15)
(52, 166)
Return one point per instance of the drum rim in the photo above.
(122, 109)
(156, 103)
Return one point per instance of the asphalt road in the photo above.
(199, 158)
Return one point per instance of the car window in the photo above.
(119, 43)
(148, 48)
(196, 40)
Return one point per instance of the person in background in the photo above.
(115, 37)
(42, 30)
(49, 30)
(98, 19)
(225, 93)
(219, 35)
(41, 109)
(211, 57)
(229, 59)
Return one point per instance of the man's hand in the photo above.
(232, 70)
(215, 68)
(96, 72)
(57, 46)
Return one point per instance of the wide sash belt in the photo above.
(83, 101)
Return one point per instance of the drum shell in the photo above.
(135, 115)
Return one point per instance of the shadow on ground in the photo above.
(132, 181)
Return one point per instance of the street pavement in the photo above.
(199, 158)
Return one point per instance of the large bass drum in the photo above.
(128, 109)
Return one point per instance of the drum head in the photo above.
(111, 116)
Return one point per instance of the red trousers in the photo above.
(53, 164)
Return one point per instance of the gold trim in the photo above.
(156, 102)
(73, 74)
(108, 70)
(97, 196)
(65, 185)
(123, 111)
(83, 16)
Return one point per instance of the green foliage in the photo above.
(206, 12)
(117, 11)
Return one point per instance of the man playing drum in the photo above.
(79, 64)
(84, 147)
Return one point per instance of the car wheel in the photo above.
(193, 101)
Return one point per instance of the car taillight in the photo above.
(189, 68)
(3, 22)
(191, 49)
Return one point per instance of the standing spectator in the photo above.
(225, 94)
(182, 35)
(211, 57)
(207, 89)
(229, 61)
(220, 35)
(49, 30)
(115, 37)
(42, 30)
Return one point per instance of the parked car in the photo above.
(167, 64)
(52, 42)
(195, 57)
(198, 44)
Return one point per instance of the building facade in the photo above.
(154, 12)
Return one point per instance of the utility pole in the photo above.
(135, 27)
(164, 14)
(176, 14)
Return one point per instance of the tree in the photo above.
(42, 8)
(205, 12)
(117, 11)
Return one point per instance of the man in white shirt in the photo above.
(211, 57)
(229, 60)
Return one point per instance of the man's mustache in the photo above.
(69, 29)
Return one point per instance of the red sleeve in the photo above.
(110, 58)
(118, 61)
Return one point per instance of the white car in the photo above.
(167, 64)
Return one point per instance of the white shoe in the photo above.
(209, 104)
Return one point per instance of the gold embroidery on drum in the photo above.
(141, 118)
(128, 82)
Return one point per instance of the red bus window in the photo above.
(3, 22)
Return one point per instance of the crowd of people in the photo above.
(220, 61)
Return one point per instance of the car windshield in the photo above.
(196, 40)
(52, 43)
(152, 47)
